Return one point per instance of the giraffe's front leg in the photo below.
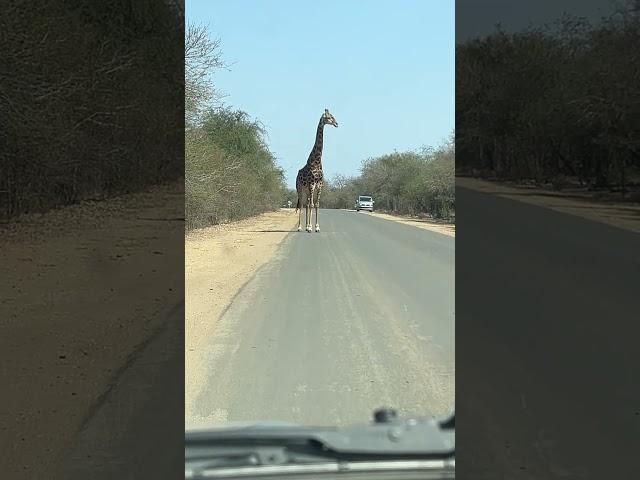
(308, 210)
(299, 207)
(317, 207)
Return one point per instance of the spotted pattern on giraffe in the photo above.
(310, 178)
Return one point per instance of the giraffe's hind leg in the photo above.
(309, 211)
(299, 207)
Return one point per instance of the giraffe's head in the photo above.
(329, 119)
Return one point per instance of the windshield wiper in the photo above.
(424, 443)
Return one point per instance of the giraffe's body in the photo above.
(310, 179)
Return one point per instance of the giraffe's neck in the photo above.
(315, 157)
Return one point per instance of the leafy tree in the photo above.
(202, 56)
(557, 106)
(229, 171)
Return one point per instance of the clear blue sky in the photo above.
(384, 69)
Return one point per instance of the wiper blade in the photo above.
(409, 469)
(258, 446)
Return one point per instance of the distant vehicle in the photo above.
(289, 203)
(364, 203)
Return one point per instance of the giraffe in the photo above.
(310, 178)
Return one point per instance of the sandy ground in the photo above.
(219, 260)
(444, 228)
(82, 287)
(626, 216)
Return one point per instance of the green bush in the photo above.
(414, 183)
(230, 173)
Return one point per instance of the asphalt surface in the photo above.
(136, 429)
(355, 317)
(547, 341)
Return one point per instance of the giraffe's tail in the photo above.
(298, 204)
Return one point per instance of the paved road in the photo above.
(343, 321)
(136, 430)
(547, 343)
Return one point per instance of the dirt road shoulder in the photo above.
(626, 216)
(444, 228)
(219, 260)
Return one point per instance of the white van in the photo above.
(364, 202)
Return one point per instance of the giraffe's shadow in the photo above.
(271, 231)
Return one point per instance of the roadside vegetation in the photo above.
(88, 107)
(557, 107)
(410, 183)
(230, 173)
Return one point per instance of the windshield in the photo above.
(301, 306)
